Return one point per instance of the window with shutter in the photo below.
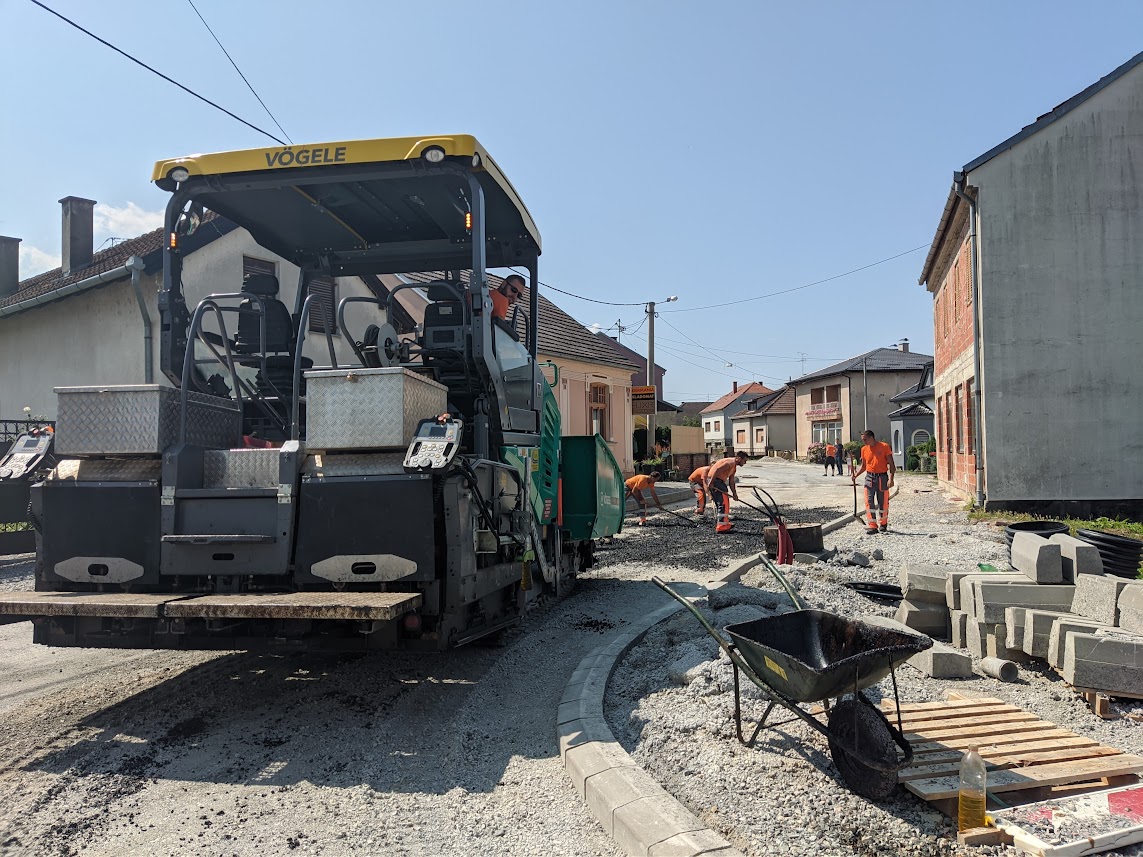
(324, 309)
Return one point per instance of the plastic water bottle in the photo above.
(971, 796)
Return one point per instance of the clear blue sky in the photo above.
(715, 151)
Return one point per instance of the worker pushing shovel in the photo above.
(636, 485)
(719, 485)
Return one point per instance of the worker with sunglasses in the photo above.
(504, 297)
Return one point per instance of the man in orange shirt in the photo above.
(636, 485)
(719, 482)
(879, 468)
(697, 479)
(504, 297)
(830, 452)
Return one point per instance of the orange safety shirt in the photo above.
(723, 469)
(639, 483)
(499, 304)
(831, 450)
(698, 476)
(876, 456)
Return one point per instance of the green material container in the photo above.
(592, 488)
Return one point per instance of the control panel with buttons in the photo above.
(434, 445)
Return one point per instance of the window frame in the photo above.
(969, 417)
(598, 410)
(958, 400)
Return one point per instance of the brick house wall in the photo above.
(953, 382)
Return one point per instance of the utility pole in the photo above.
(652, 375)
(651, 378)
(865, 391)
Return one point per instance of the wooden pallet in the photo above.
(1028, 758)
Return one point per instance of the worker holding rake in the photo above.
(719, 484)
(636, 485)
(879, 468)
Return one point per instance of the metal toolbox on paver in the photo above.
(368, 408)
(140, 419)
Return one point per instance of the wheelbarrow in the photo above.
(814, 656)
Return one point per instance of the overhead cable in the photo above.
(237, 69)
(799, 288)
(139, 62)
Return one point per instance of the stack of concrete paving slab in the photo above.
(1057, 606)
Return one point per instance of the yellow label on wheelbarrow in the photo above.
(774, 668)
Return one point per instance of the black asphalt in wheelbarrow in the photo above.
(814, 656)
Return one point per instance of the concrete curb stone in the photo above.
(637, 813)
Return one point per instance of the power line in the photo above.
(799, 288)
(240, 74)
(156, 72)
(569, 294)
(712, 351)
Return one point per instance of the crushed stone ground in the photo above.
(670, 703)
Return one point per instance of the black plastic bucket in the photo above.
(1040, 528)
(1121, 555)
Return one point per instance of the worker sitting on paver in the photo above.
(508, 293)
(720, 485)
(636, 485)
(879, 468)
(696, 480)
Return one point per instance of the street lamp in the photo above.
(652, 377)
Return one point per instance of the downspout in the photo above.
(977, 394)
(135, 266)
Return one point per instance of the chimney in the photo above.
(736, 386)
(78, 233)
(9, 266)
(903, 345)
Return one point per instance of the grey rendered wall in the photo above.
(1061, 224)
(780, 431)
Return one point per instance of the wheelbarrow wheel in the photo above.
(857, 725)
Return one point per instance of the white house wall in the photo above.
(1061, 244)
(96, 337)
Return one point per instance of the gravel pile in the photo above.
(670, 703)
(17, 572)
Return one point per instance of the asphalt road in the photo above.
(108, 752)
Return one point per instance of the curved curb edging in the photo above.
(642, 817)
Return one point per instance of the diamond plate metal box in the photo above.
(368, 408)
(140, 419)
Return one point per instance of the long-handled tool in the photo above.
(785, 552)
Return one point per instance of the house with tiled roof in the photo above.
(912, 423)
(591, 379)
(838, 402)
(765, 424)
(717, 416)
(94, 320)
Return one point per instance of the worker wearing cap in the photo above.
(696, 480)
(719, 483)
(879, 468)
(506, 295)
(636, 485)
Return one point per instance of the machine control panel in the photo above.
(24, 455)
(434, 445)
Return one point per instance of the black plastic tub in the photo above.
(1040, 528)
(1121, 555)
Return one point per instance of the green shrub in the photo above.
(912, 462)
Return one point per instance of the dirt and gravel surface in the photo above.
(108, 752)
(670, 703)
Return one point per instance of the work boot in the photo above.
(884, 528)
(872, 531)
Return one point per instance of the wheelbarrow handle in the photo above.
(666, 587)
(797, 599)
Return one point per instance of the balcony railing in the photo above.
(824, 410)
